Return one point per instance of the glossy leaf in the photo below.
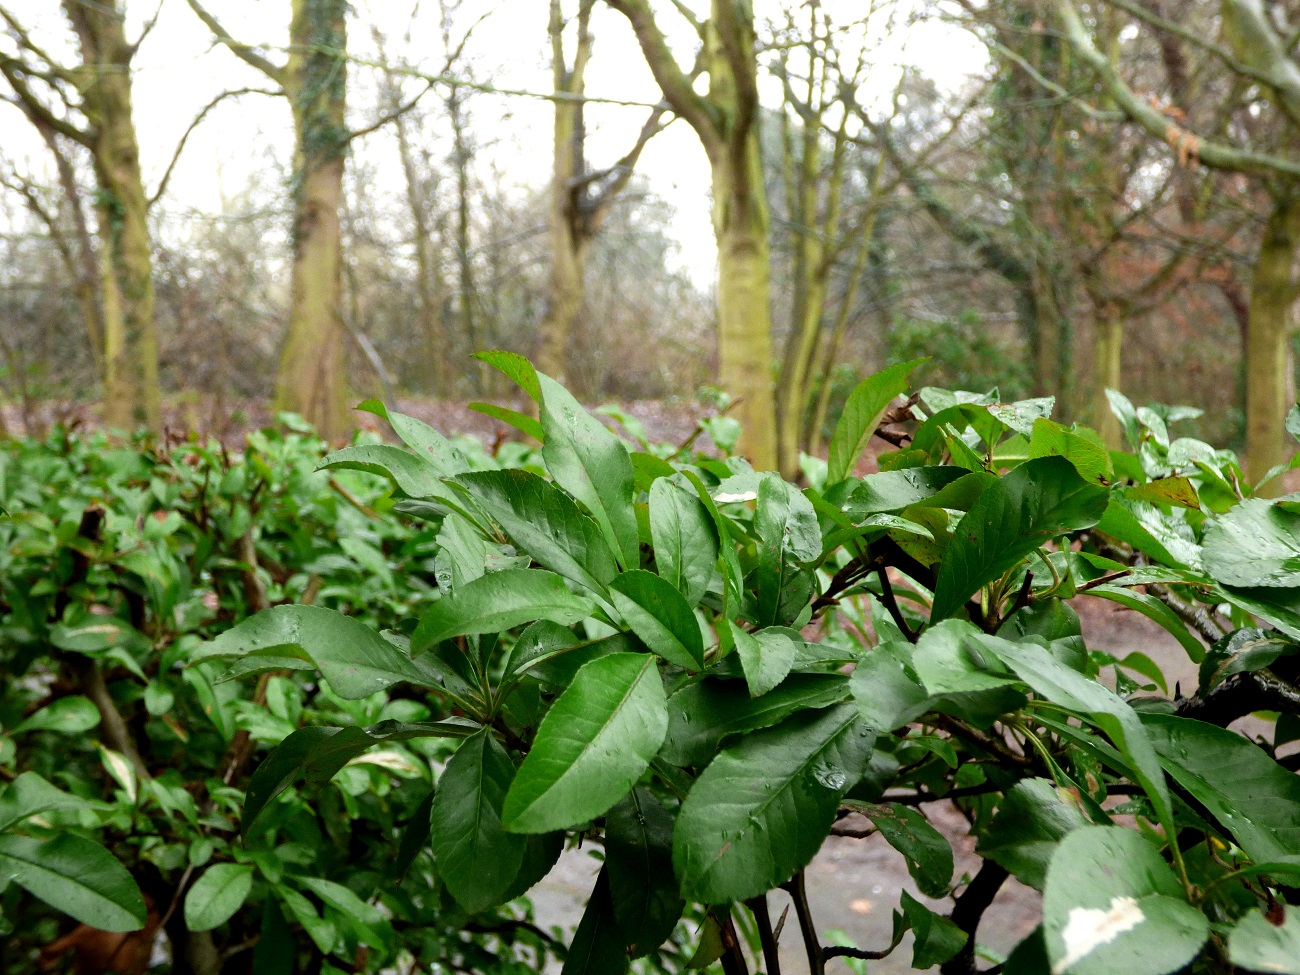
(685, 539)
(1256, 800)
(1112, 906)
(639, 862)
(1260, 945)
(765, 655)
(702, 715)
(69, 715)
(891, 491)
(76, 876)
(863, 410)
(597, 947)
(593, 745)
(544, 522)
(218, 893)
(1023, 510)
(1089, 456)
(935, 937)
(514, 367)
(591, 464)
(500, 601)
(928, 854)
(424, 440)
(740, 833)
(1256, 544)
(660, 616)
(30, 795)
(1032, 819)
(477, 859)
(317, 753)
(355, 659)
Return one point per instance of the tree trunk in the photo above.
(428, 289)
(131, 396)
(744, 315)
(1107, 374)
(312, 379)
(1269, 389)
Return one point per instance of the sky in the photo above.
(178, 70)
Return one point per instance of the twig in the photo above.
(771, 954)
(347, 496)
(891, 604)
(966, 913)
(733, 959)
(799, 894)
(1102, 580)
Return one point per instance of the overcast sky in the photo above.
(178, 71)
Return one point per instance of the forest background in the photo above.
(209, 211)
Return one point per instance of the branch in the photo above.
(180, 146)
(799, 894)
(766, 937)
(966, 913)
(673, 81)
(1214, 154)
(731, 32)
(13, 71)
(244, 52)
(392, 116)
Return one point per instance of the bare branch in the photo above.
(244, 52)
(393, 115)
(180, 146)
(673, 81)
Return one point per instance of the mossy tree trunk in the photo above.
(312, 377)
(726, 122)
(1270, 390)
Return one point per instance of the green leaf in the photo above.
(701, 715)
(741, 832)
(415, 475)
(1156, 611)
(1256, 544)
(789, 538)
(1258, 945)
(1032, 819)
(1243, 651)
(1021, 511)
(862, 413)
(1055, 681)
(500, 601)
(936, 938)
(1256, 800)
(1112, 906)
(415, 837)
(639, 861)
(317, 754)
(950, 659)
(891, 491)
(477, 859)
(29, 795)
(1147, 529)
(514, 367)
(76, 876)
(732, 573)
(541, 851)
(217, 895)
(597, 947)
(1022, 415)
(1089, 457)
(593, 745)
(928, 854)
(544, 522)
(888, 694)
(593, 465)
(365, 920)
(685, 539)
(69, 715)
(522, 422)
(355, 659)
(1167, 490)
(766, 655)
(659, 614)
(427, 442)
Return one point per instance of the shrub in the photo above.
(707, 671)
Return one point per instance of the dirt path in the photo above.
(853, 884)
